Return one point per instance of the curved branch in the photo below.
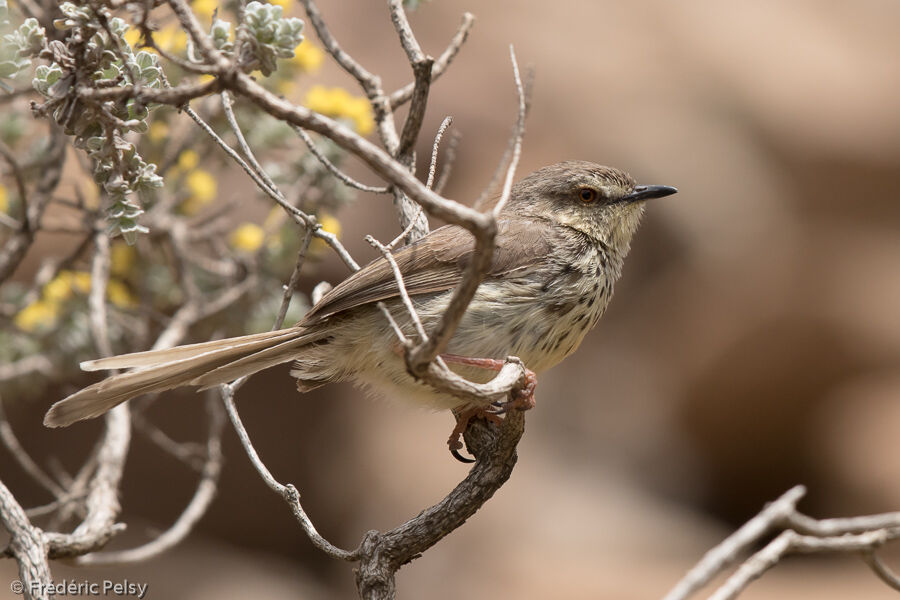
(382, 554)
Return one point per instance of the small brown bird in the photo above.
(561, 241)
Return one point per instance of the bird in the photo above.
(561, 241)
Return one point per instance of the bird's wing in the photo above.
(435, 263)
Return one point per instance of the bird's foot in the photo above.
(523, 399)
(462, 421)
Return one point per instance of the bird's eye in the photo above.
(587, 195)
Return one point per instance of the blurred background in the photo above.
(753, 343)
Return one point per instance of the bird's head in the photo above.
(602, 202)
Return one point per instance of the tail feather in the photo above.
(154, 357)
(100, 397)
(258, 361)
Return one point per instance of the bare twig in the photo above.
(518, 132)
(36, 363)
(434, 150)
(382, 554)
(300, 217)
(802, 534)
(190, 453)
(449, 161)
(404, 295)
(419, 357)
(27, 545)
(486, 195)
(196, 508)
(790, 541)
(245, 147)
(97, 295)
(349, 181)
(733, 546)
(370, 83)
(13, 250)
(99, 525)
(880, 569)
(292, 282)
(404, 94)
(8, 436)
(288, 492)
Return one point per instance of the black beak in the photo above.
(646, 192)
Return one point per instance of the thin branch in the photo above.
(826, 527)
(189, 453)
(97, 295)
(192, 312)
(99, 525)
(404, 295)
(349, 181)
(404, 94)
(790, 541)
(8, 436)
(15, 247)
(27, 546)
(483, 200)
(369, 82)
(404, 31)
(196, 508)
(518, 132)
(881, 570)
(36, 363)
(449, 161)
(8, 155)
(245, 147)
(727, 552)
(429, 183)
(287, 492)
(300, 217)
(382, 554)
(418, 358)
(292, 282)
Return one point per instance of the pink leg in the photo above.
(524, 400)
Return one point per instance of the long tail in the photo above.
(205, 364)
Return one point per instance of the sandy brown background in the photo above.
(753, 344)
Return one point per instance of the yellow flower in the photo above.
(338, 103)
(89, 192)
(119, 295)
(248, 237)
(188, 160)
(202, 189)
(61, 287)
(360, 111)
(4, 199)
(133, 36)
(121, 258)
(41, 314)
(81, 281)
(285, 4)
(205, 9)
(159, 131)
(172, 39)
(329, 224)
(307, 57)
(285, 87)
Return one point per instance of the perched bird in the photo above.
(561, 241)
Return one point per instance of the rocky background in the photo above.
(753, 344)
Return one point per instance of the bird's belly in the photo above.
(539, 328)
